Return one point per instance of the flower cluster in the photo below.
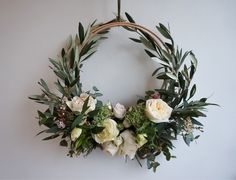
(116, 137)
(141, 131)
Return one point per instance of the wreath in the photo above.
(142, 131)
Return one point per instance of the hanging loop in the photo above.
(118, 9)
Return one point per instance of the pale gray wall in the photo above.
(31, 31)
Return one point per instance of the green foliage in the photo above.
(151, 163)
(136, 115)
(129, 18)
(77, 121)
(64, 143)
(83, 145)
(45, 118)
(101, 114)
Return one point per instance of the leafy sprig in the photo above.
(176, 90)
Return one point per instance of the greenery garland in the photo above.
(142, 131)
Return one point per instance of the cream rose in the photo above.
(112, 147)
(119, 111)
(129, 146)
(157, 110)
(109, 133)
(75, 133)
(76, 104)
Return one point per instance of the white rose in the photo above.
(109, 133)
(75, 133)
(119, 111)
(112, 147)
(158, 111)
(77, 103)
(129, 146)
(141, 139)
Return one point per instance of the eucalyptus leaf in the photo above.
(161, 62)
(172, 76)
(193, 91)
(147, 43)
(60, 88)
(53, 129)
(81, 33)
(162, 75)
(44, 85)
(55, 63)
(85, 106)
(95, 88)
(72, 58)
(188, 138)
(95, 95)
(51, 137)
(64, 143)
(63, 52)
(156, 71)
(135, 40)
(88, 56)
(163, 30)
(129, 18)
(51, 107)
(192, 71)
(194, 60)
(150, 54)
(194, 121)
(181, 80)
(40, 132)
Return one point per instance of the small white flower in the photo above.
(126, 123)
(158, 111)
(60, 124)
(109, 133)
(119, 111)
(75, 133)
(112, 147)
(109, 105)
(129, 146)
(77, 103)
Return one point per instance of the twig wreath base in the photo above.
(142, 131)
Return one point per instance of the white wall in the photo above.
(31, 31)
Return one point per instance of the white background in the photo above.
(32, 31)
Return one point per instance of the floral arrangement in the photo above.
(142, 131)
